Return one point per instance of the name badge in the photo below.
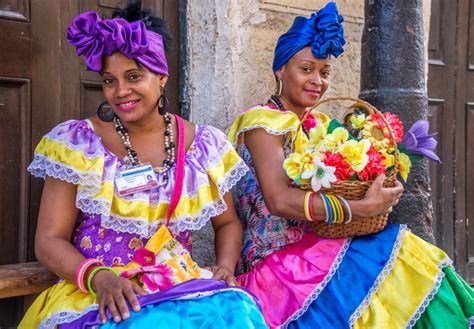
(136, 179)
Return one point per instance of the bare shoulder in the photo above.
(189, 132)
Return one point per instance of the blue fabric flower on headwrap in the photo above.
(323, 31)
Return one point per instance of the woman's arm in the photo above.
(228, 241)
(281, 200)
(56, 221)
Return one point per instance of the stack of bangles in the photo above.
(337, 209)
(82, 270)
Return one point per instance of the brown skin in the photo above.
(305, 79)
(124, 80)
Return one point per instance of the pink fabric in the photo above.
(282, 290)
(178, 188)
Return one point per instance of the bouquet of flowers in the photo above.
(359, 148)
(342, 158)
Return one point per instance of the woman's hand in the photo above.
(222, 273)
(378, 199)
(113, 292)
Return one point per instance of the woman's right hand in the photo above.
(378, 199)
(113, 292)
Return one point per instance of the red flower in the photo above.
(394, 122)
(374, 166)
(343, 169)
(309, 122)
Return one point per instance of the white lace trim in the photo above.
(61, 317)
(426, 301)
(145, 229)
(317, 291)
(42, 166)
(203, 294)
(267, 129)
(381, 277)
(232, 177)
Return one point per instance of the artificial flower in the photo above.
(316, 137)
(376, 135)
(295, 164)
(321, 176)
(393, 121)
(355, 153)
(374, 167)
(389, 159)
(310, 122)
(343, 169)
(358, 121)
(404, 166)
(418, 141)
(334, 140)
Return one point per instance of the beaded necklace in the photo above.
(132, 158)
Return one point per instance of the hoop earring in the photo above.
(279, 87)
(163, 103)
(105, 112)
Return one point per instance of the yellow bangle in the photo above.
(337, 214)
(305, 206)
(339, 206)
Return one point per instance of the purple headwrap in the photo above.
(95, 38)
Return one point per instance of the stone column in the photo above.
(393, 79)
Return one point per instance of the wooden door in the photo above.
(43, 82)
(451, 104)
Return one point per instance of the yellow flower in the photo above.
(389, 159)
(334, 140)
(376, 136)
(316, 136)
(404, 165)
(295, 164)
(358, 121)
(355, 153)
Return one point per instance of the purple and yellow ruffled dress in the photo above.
(112, 229)
(392, 279)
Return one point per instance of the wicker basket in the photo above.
(354, 190)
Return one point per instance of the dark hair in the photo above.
(133, 12)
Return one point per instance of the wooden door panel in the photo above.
(18, 10)
(14, 130)
(469, 143)
(441, 79)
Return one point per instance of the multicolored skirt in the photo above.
(196, 303)
(392, 279)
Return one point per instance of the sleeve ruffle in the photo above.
(70, 152)
(274, 122)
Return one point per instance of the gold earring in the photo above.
(279, 87)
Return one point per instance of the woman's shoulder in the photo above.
(272, 120)
(75, 134)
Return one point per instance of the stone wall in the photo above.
(230, 54)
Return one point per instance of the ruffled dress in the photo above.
(391, 279)
(112, 229)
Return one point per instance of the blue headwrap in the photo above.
(322, 31)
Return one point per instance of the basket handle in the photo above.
(372, 109)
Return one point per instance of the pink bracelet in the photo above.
(81, 271)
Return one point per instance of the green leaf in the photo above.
(414, 157)
(354, 177)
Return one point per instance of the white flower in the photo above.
(322, 176)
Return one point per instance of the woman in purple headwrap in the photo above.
(123, 192)
(391, 279)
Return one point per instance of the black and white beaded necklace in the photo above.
(132, 158)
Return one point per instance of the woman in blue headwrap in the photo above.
(391, 279)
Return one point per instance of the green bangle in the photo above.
(93, 273)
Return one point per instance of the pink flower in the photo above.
(309, 122)
(394, 122)
(374, 167)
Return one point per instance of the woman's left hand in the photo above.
(222, 273)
